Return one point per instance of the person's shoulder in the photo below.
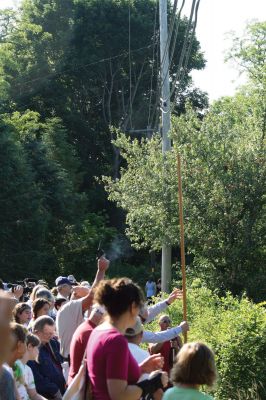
(112, 337)
(20, 364)
(170, 393)
(70, 306)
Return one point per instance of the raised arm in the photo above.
(156, 309)
(102, 267)
(162, 336)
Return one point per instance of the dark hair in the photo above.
(194, 365)
(19, 331)
(58, 302)
(1, 284)
(33, 340)
(37, 305)
(40, 323)
(18, 310)
(117, 295)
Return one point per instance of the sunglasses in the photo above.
(166, 321)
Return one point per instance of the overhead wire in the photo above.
(76, 67)
(184, 69)
(186, 49)
(161, 81)
(129, 60)
(20, 86)
(155, 41)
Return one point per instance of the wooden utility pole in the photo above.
(166, 123)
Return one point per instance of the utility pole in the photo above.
(166, 121)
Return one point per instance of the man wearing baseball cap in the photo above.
(64, 287)
(71, 314)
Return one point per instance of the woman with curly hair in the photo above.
(113, 372)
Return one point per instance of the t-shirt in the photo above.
(78, 346)
(26, 381)
(177, 393)
(7, 384)
(68, 318)
(108, 357)
(140, 355)
(166, 352)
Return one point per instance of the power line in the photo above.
(129, 60)
(155, 41)
(69, 69)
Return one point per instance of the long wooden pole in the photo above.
(182, 241)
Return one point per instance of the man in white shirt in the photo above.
(71, 314)
(134, 338)
(148, 314)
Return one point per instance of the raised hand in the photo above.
(103, 264)
(175, 295)
(18, 292)
(152, 363)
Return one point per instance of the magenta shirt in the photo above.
(108, 357)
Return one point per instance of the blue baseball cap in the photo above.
(63, 280)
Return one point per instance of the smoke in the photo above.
(119, 248)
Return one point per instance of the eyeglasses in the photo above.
(166, 321)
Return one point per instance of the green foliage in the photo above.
(49, 231)
(223, 183)
(248, 52)
(80, 244)
(236, 331)
(23, 218)
(51, 62)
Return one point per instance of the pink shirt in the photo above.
(78, 346)
(108, 357)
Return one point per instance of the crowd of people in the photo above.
(78, 340)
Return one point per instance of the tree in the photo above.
(23, 218)
(223, 179)
(73, 60)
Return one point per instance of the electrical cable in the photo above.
(69, 69)
(155, 41)
(129, 60)
(184, 69)
(184, 48)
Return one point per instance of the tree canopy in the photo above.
(224, 179)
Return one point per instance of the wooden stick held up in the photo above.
(182, 242)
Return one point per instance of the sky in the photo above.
(216, 18)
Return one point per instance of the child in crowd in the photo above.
(195, 366)
(23, 373)
(22, 314)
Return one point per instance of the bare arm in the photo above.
(120, 390)
(103, 265)
(87, 301)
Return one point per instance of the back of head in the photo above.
(117, 295)
(45, 294)
(194, 365)
(18, 331)
(32, 340)
(132, 334)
